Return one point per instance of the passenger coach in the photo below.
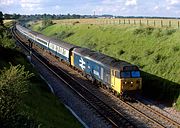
(61, 49)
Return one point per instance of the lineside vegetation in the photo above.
(25, 100)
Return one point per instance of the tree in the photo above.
(7, 16)
(16, 16)
(1, 19)
(46, 22)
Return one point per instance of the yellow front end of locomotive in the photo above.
(131, 84)
(126, 81)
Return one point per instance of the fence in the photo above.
(171, 23)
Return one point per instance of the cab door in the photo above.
(115, 80)
(112, 78)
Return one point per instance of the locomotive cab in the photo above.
(126, 80)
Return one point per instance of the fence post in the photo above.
(119, 21)
(154, 23)
(124, 21)
(161, 23)
(169, 23)
(140, 22)
(134, 22)
(178, 24)
(147, 22)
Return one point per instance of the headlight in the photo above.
(131, 82)
(124, 82)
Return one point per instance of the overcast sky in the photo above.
(114, 7)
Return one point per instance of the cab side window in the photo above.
(117, 74)
(113, 73)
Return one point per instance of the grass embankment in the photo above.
(38, 106)
(155, 50)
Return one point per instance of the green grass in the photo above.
(47, 109)
(38, 104)
(155, 50)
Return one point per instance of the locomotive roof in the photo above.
(62, 44)
(101, 58)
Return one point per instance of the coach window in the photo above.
(64, 51)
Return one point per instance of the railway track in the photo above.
(113, 114)
(154, 114)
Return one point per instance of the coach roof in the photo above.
(62, 44)
(43, 37)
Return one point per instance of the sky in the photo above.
(164, 8)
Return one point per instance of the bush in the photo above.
(6, 38)
(158, 58)
(121, 52)
(142, 30)
(7, 43)
(168, 32)
(158, 33)
(148, 52)
(92, 46)
(175, 48)
(76, 22)
(13, 84)
(64, 34)
(134, 57)
(46, 23)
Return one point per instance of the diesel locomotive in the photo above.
(117, 75)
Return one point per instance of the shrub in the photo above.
(64, 34)
(158, 58)
(175, 48)
(149, 30)
(157, 32)
(168, 32)
(142, 30)
(6, 38)
(92, 45)
(134, 57)
(121, 52)
(76, 22)
(46, 23)
(148, 52)
(13, 84)
(7, 43)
